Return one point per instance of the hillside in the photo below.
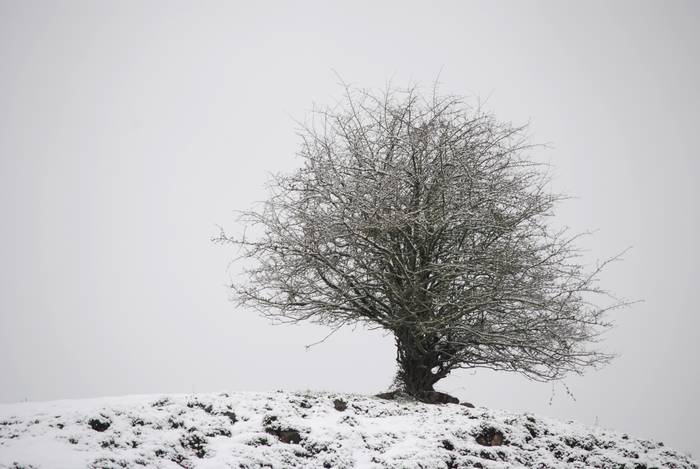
(314, 430)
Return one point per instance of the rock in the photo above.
(208, 408)
(490, 436)
(437, 397)
(99, 424)
(288, 436)
(231, 416)
(428, 397)
(272, 426)
(196, 442)
(340, 405)
(467, 404)
(391, 395)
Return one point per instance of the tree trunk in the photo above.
(416, 358)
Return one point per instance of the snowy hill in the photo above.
(309, 430)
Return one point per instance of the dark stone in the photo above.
(391, 395)
(108, 443)
(437, 397)
(467, 404)
(208, 408)
(490, 436)
(196, 443)
(100, 463)
(180, 460)
(428, 397)
(269, 422)
(286, 435)
(161, 402)
(340, 405)
(99, 424)
(175, 423)
(231, 416)
(532, 430)
(218, 432)
(447, 444)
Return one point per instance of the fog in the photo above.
(130, 130)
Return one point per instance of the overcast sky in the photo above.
(129, 130)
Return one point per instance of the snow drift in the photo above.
(305, 430)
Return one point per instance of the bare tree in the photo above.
(425, 217)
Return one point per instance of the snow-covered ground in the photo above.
(314, 430)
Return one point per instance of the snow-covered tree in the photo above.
(425, 217)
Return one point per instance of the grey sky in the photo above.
(129, 130)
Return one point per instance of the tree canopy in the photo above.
(426, 217)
